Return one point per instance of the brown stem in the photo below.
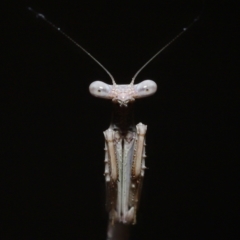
(118, 231)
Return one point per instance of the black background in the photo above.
(52, 180)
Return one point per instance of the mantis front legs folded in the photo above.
(124, 171)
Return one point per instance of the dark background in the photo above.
(52, 180)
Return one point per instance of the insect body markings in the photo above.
(124, 148)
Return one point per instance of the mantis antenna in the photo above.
(39, 15)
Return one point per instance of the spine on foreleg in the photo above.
(138, 167)
(111, 174)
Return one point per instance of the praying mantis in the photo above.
(124, 143)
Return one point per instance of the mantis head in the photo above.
(123, 94)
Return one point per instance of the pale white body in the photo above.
(124, 172)
(124, 151)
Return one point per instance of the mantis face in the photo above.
(123, 94)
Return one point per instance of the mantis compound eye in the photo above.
(145, 88)
(100, 89)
